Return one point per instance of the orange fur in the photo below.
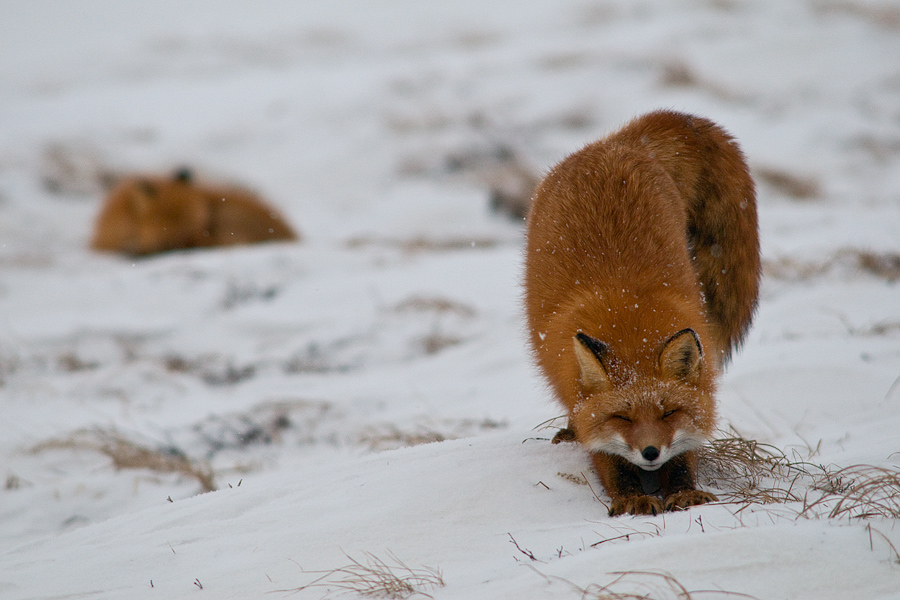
(145, 215)
(641, 277)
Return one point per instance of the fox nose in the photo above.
(650, 453)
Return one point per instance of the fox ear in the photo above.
(183, 175)
(589, 351)
(680, 356)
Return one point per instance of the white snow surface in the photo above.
(307, 375)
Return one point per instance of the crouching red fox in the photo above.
(148, 214)
(641, 276)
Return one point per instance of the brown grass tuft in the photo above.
(126, 454)
(789, 184)
(860, 492)
(377, 578)
(886, 16)
(754, 473)
(750, 472)
(436, 305)
(642, 585)
(884, 265)
(418, 245)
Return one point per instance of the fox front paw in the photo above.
(636, 505)
(564, 435)
(687, 498)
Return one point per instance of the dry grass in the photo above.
(679, 74)
(750, 472)
(886, 15)
(377, 578)
(643, 585)
(883, 265)
(436, 305)
(387, 436)
(747, 472)
(860, 492)
(789, 184)
(754, 473)
(126, 454)
(390, 436)
(421, 244)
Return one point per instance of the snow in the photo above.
(369, 390)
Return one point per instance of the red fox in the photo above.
(641, 276)
(145, 215)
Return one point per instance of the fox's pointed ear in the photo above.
(680, 356)
(183, 175)
(589, 352)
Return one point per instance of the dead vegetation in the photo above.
(883, 265)
(752, 473)
(797, 187)
(679, 74)
(748, 471)
(377, 578)
(388, 436)
(126, 454)
(419, 245)
(745, 472)
(859, 492)
(436, 305)
(886, 15)
(76, 169)
(642, 585)
(498, 167)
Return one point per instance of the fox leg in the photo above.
(622, 482)
(565, 435)
(677, 481)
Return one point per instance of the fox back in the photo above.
(641, 277)
(146, 214)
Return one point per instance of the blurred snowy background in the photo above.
(382, 131)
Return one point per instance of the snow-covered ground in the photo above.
(303, 380)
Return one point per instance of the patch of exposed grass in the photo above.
(436, 305)
(421, 244)
(883, 265)
(886, 16)
(126, 454)
(754, 473)
(385, 436)
(860, 492)
(750, 472)
(377, 578)
(643, 585)
(795, 186)
(747, 472)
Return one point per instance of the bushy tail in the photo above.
(710, 172)
(723, 235)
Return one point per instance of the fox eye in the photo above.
(622, 418)
(669, 413)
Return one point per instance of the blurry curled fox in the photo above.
(145, 215)
(641, 277)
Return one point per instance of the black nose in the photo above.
(650, 453)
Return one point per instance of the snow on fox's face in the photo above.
(648, 419)
(646, 435)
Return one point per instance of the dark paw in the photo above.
(564, 435)
(636, 505)
(687, 498)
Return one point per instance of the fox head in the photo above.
(645, 418)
